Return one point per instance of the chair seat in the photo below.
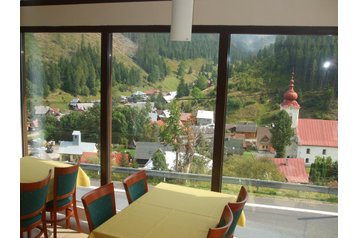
(60, 203)
(30, 221)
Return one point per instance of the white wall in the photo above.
(206, 12)
(316, 151)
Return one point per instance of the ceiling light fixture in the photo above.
(182, 19)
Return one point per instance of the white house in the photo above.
(170, 96)
(317, 138)
(76, 146)
(205, 117)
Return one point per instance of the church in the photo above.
(313, 137)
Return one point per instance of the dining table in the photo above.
(168, 210)
(34, 169)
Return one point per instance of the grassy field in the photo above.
(60, 99)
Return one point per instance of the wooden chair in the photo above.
(225, 222)
(99, 205)
(64, 197)
(135, 185)
(32, 206)
(236, 209)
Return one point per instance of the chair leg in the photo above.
(29, 233)
(79, 229)
(67, 218)
(44, 226)
(55, 225)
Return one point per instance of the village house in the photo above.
(168, 97)
(151, 92)
(146, 150)
(74, 102)
(317, 138)
(263, 139)
(72, 150)
(83, 106)
(204, 118)
(248, 129)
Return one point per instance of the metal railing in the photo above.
(230, 180)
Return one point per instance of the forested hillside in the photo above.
(71, 63)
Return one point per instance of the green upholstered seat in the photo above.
(30, 221)
(32, 206)
(64, 199)
(101, 210)
(137, 189)
(99, 205)
(135, 185)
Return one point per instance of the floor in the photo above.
(62, 232)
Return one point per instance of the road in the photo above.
(270, 218)
(276, 221)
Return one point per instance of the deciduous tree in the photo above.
(281, 132)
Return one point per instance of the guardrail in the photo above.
(231, 180)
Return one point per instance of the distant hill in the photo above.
(65, 45)
(251, 44)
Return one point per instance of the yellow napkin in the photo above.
(242, 220)
(83, 179)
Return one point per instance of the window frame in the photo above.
(106, 32)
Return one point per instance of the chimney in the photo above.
(286, 161)
(76, 136)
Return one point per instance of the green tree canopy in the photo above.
(281, 132)
(323, 170)
(159, 162)
(171, 132)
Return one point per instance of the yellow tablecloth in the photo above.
(167, 211)
(33, 169)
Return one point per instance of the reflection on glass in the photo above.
(63, 95)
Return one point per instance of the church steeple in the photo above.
(290, 96)
(289, 104)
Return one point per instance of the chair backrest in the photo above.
(65, 179)
(225, 221)
(135, 185)
(236, 208)
(99, 205)
(33, 197)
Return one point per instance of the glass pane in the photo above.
(163, 106)
(282, 112)
(63, 96)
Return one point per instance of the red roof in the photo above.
(117, 157)
(152, 91)
(294, 171)
(317, 132)
(185, 116)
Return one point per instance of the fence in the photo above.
(230, 180)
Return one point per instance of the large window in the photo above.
(282, 98)
(281, 90)
(163, 97)
(62, 90)
(282, 94)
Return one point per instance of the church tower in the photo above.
(290, 105)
